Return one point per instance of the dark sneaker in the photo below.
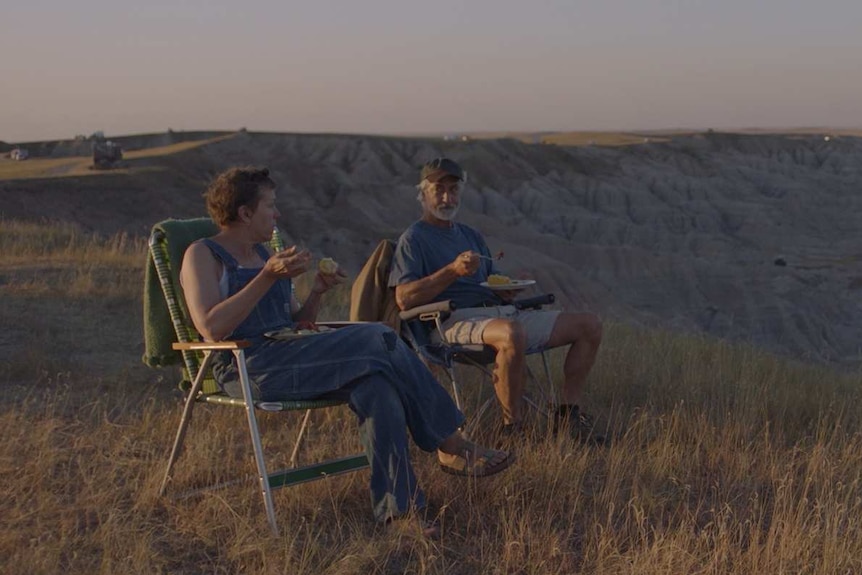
(579, 425)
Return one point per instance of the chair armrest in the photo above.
(210, 345)
(432, 308)
(534, 302)
(337, 324)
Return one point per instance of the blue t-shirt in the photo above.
(424, 248)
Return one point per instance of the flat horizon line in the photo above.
(445, 133)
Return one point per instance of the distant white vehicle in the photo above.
(19, 154)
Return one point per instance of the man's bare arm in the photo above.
(425, 289)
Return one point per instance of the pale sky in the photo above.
(397, 66)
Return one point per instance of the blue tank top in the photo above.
(272, 311)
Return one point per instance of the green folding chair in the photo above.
(171, 338)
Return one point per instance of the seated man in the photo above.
(439, 259)
(236, 288)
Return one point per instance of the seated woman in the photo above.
(236, 289)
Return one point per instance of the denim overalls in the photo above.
(366, 365)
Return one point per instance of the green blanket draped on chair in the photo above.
(159, 332)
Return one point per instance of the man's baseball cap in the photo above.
(439, 168)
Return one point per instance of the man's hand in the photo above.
(288, 263)
(465, 264)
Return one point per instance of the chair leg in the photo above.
(478, 417)
(488, 376)
(543, 397)
(293, 456)
(551, 389)
(545, 390)
(536, 407)
(186, 419)
(255, 440)
(456, 390)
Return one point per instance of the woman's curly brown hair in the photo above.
(234, 188)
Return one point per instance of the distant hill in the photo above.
(745, 236)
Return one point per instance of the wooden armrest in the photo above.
(210, 345)
(436, 307)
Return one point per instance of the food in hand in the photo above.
(498, 279)
(327, 266)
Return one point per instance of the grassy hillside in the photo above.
(725, 459)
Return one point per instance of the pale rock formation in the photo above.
(683, 235)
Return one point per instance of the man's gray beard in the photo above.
(446, 215)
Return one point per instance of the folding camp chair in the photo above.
(372, 300)
(168, 241)
(419, 322)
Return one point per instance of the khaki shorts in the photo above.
(467, 325)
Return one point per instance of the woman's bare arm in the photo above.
(215, 318)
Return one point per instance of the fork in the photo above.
(499, 256)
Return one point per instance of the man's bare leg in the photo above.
(510, 341)
(584, 332)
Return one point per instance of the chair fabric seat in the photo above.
(446, 355)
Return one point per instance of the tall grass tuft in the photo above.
(724, 459)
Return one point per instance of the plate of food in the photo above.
(289, 333)
(499, 282)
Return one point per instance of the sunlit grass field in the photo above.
(724, 459)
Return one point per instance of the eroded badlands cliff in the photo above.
(751, 238)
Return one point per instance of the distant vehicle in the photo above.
(106, 154)
(19, 154)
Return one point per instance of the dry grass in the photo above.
(725, 460)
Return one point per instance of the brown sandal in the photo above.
(475, 462)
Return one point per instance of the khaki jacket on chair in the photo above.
(371, 298)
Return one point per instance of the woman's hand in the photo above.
(288, 263)
(325, 282)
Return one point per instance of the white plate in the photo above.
(288, 334)
(512, 285)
